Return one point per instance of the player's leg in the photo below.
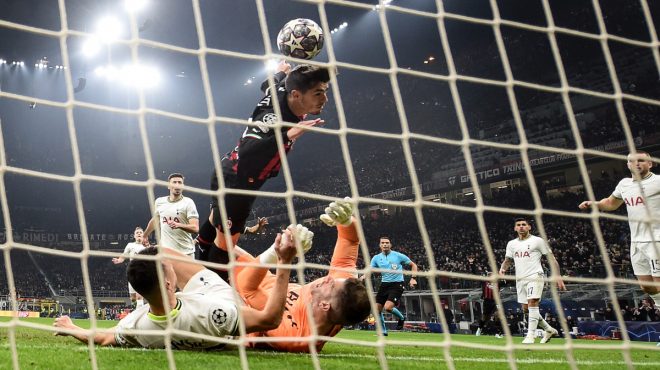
(646, 266)
(381, 300)
(238, 210)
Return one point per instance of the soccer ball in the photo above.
(300, 38)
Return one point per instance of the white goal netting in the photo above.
(446, 120)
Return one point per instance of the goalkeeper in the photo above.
(335, 300)
(300, 91)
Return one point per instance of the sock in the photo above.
(534, 317)
(217, 255)
(269, 255)
(397, 313)
(382, 323)
(206, 233)
(543, 324)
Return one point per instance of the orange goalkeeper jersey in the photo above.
(295, 321)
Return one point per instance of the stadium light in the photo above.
(91, 47)
(271, 65)
(134, 6)
(108, 29)
(140, 76)
(2, 61)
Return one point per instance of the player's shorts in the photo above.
(530, 287)
(208, 282)
(645, 258)
(238, 207)
(389, 292)
(130, 289)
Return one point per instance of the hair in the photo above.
(138, 228)
(143, 275)
(385, 237)
(175, 175)
(304, 77)
(353, 302)
(520, 219)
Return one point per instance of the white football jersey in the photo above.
(527, 255)
(180, 211)
(629, 191)
(132, 249)
(206, 305)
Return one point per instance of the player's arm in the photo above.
(255, 229)
(148, 230)
(191, 227)
(553, 261)
(508, 261)
(103, 339)
(610, 203)
(283, 69)
(413, 278)
(118, 260)
(271, 316)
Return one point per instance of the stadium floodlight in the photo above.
(21, 63)
(108, 29)
(140, 76)
(2, 61)
(91, 47)
(271, 65)
(134, 6)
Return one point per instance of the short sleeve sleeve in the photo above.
(192, 210)
(509, 252)
(223, 319)
(617, 193)
(405, 260)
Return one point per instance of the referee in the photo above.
(391, 287)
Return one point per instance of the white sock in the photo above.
(656, 298)
(269, 255)
(534, 318)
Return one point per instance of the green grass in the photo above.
(39, 349)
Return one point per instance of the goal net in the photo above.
(446, 121)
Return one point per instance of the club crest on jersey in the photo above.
(634, 201)
(394, 266)
(266, 121)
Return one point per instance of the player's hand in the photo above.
(63, 322)
(262, 222)
(561, 285)
(117, 260)
(413, 283)
(585, 205)
(338, 212)
(303, 235)
(285, 246)
(296, 131)
(284, 66)
(172, 224)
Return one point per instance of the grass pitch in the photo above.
(39, 349)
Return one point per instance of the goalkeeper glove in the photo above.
(338, 212)
(304, 236)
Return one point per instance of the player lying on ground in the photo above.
(526, 252)
(336, 300)
(205, 305)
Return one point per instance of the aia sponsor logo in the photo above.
(634, 201)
